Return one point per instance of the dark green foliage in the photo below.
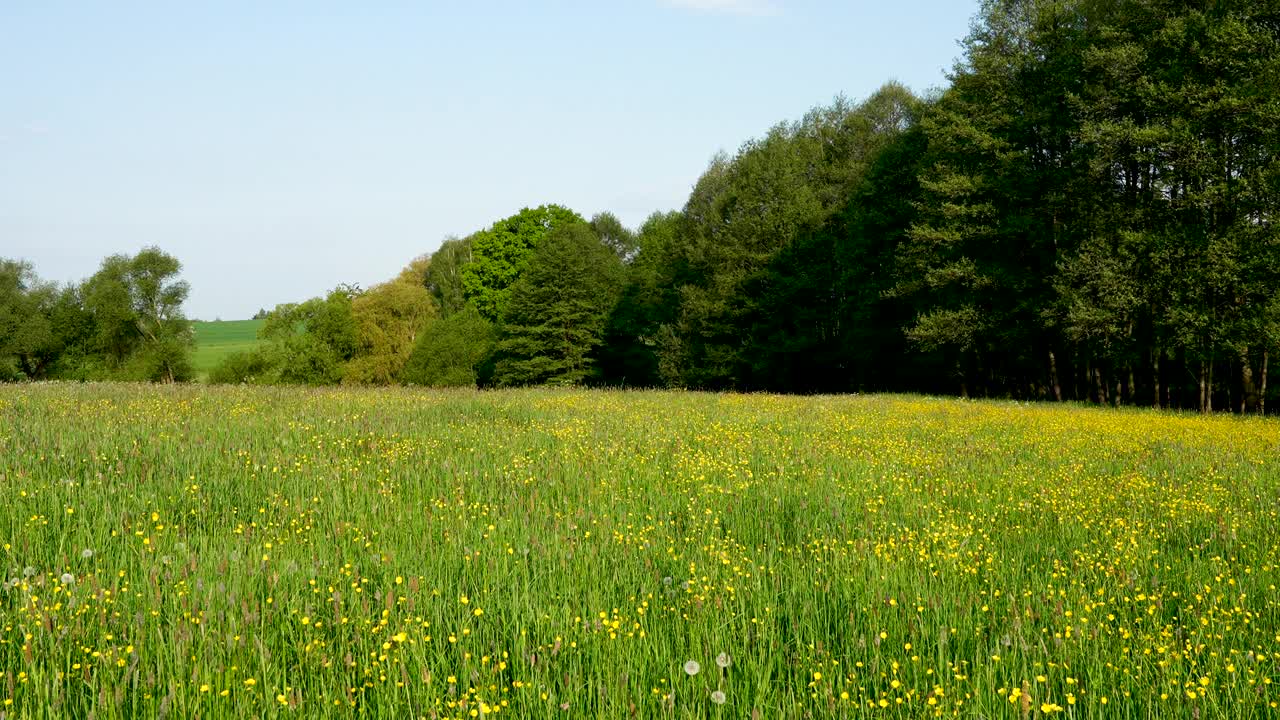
(452, 351)
(27, 341)
(123, 323)
(638, 331)
(555, 317)
(614, 235)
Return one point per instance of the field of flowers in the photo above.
(200, 552)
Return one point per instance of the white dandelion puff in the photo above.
(692, 667)
(723, 660)
(28, 571)
(86, 553)
(67, 578)
(718, 697)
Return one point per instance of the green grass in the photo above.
(251, 552)
(217, 339)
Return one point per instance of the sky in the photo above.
(280, 148)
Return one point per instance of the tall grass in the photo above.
(267, 552)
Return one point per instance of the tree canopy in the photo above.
(498, 255)
(125, 322)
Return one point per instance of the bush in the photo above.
(248, 366)
(452, 352)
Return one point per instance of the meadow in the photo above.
(216, 339)
(201, 552)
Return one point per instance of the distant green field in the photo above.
(218, 339)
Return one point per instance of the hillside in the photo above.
(219, 338)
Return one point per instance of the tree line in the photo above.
(1087, 212)
(123, 323)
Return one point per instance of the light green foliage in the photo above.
(556, 315)
(311, 341)
(215, 340)
(500, 254)
(255, 365)
(305, 343)
(388, 319)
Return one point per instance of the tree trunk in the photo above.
(1155, 379)
(1076, 367)
(1248, 390)
(1204, 374)
(1208, 395)
(1262, 384)
(1053, 377)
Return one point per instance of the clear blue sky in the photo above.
(280, 148)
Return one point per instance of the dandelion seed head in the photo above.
(692, 667)
(723, 660)
(67, 578)
(718, 697)
(86, 553)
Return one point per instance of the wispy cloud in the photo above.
(732, 7)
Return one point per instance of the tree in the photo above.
(977, 265)
(308, 343)
(452, 351)
(615, 236)
(753, 236)
(639, 328)
(134, 305)
(27, 339)
(500, 254)
(443, 277)
(818, 311)
(388, 318)
(556, 314)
